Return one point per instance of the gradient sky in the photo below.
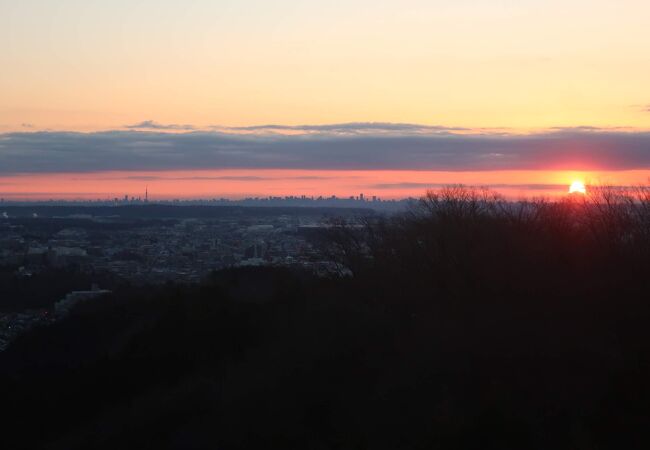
(478, 67)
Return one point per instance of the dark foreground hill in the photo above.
(462, 328)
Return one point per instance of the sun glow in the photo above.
(577, 187)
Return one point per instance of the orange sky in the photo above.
(264, 182)
(520, 66)
(525, 64)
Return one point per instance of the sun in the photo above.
(577, 187)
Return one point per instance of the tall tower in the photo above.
(146, 194)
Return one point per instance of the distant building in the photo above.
(260, 228)
(251, 262)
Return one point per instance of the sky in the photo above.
(320, 93)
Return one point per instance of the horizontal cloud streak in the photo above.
(152, 125)
(526, 186)
(352, 129)
(571, 149)
(220, 178)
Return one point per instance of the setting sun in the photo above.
(577, 187)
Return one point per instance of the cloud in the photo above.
(572, 149)
(354, 128)
(641, 107)
(152, 125)
(524, 186)
(247, 178)
(222, 178)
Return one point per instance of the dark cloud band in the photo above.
(574, 149)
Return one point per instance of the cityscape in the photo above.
(359, 201)
(156, 243)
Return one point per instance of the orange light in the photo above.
(577, 187)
